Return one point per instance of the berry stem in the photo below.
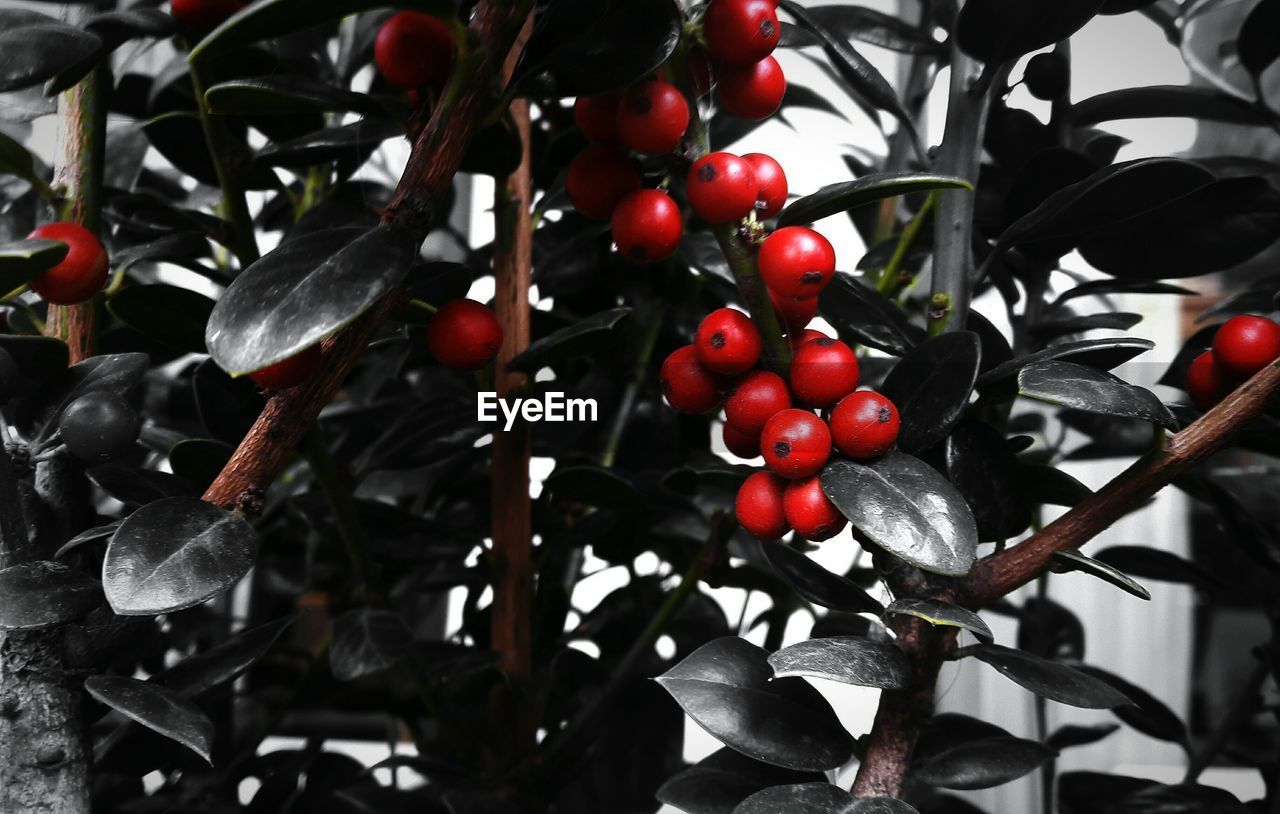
(639, 373)
(891, 282)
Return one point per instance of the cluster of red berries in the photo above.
(766, 415)
(1242, 347)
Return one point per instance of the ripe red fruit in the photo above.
(652, 117)
(751, 92)
(739, 443)
(823, 372)
(794, 312)
(413, 49)
(741, 32)
(599, 177)
(464, 335)
(771, 184)
(291, 372)
(1207, 383)
(796, 444)
(81, 274)
(864, 425)
(756, 399)
(810, 512)
(796, 261)
(202, 16)
(759, 506)
(687, 385)
(721, 188)
(802, 338)
(597, 116)
(647, 226)
(728, 342)
(1246, 344)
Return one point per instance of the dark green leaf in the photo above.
(1166, 101)
(173, 248)
(15, 160)
(1257, 46)
(199, 460)
(817, 798)
(849, 195)
(873, 27)
(942, 614)
(114, 373)
(982, 764)
(138, 487)
(173, 316)
(284, 96)
(179, 137)
(595, 486)
(716, 784)
(846, 659)
(115, 28)
(366, 641)
(1051, 329)
(1065, 737)
(225, 661)
(1155, 564)
(1075, 561)
(1099, 288)
(41, 595)
(1100, 353)
(1050, 679)
(931, 386)
(93, 535)
(873, 319)
(984, 467)
(157, 708)
(996, 31)
(569, 342)
(815, 583)
(31, 54)
(1092, 391)
(352, 143)
(1050, 486)
(21, 261)
(1144, 712)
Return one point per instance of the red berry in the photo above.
(413, 49)
(864, 425)
(202, 16)
(823, 372)
(597, 116)
(721, 187)
(810, 512)
(464, 335)
(740, 444)
(599, 177)
(794, 312)
(291, 372)
(728, 342)
(771, 184)
(795, 444)
(81, 274)
(1246, 344)
(751, 92)
(759, 506)
(756, 399)
(741, 32)
(796, 261)
(799, 340)
(687, 385)
(1207, 383)
(647, 226)
(652, 117)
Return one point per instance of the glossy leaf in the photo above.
(1069, 735)
(846, 659)
(942, 614)
(40, 595)
(1165, 101)
(931, 386)
(1094, 391)
(173, 316)
(849, 195)
(225, 661)
(1049, 679)
(818, 798)
(1257, 45)
(1075, 561)
(31, 54)
(93, 535)
(173, 554)
(1155, 564)
(353, 143)
(157, 708)
(984, 468)
(284, 96)
(113, 373)
(982, 764)
(1144, 712)
(858, 310)
(1104, 354)
(570, 341)
(21, 261)
(366, 641)
(595, 486)
(870, 26)
(15, 160)
(996, 31)
(1051, 486)
(902, 505)
(722, 780)
(815, 583)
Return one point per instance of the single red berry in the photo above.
(413, 49)
(721, 188)
(687, 385)
(464, 335)
(1246, 344)
(795, 444)
(796, 261)
(202, 16)
(756, 399)
(802, 338)
(1207, 383)
(728, 342)
(81, 274)
(823, 372)
(752, 92)
(739, 443)
(741, 32)
(599, 177)
(794, 312)
(597, 116)
(864, 425)
(652, 117)
(647, 226)
(759, 506)
(810, 512)
(771, 184)
(291, 372)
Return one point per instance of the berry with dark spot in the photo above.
(756, 400)
(647, 226)
(722, 188)
(864, 425)
(823, 372)
(686, 384)
(752, 92)
(796, 444)
(759, 506)
(796, 261)
(810, 512)
(741, 32)
(653, 117)
(728, 342)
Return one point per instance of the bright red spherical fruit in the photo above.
(687, 385)
(81, 274)
(757, 398)
(728, 342)
(741, 32)
(599, 177)
(464, 335)
(797, 261)
(413, 49)
(864, 425)
(1207, 382)
(800, 339)
(771, 184)
(794, 312)
(739, 443)
(652, 117)
(202, 16)
(823, 372)
(721, 187)
(752, 92)
(1246, 344)
(597, 116)
(291, 372)
(810, 512)
(759, 506)
(647, 226)
(795, 444)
